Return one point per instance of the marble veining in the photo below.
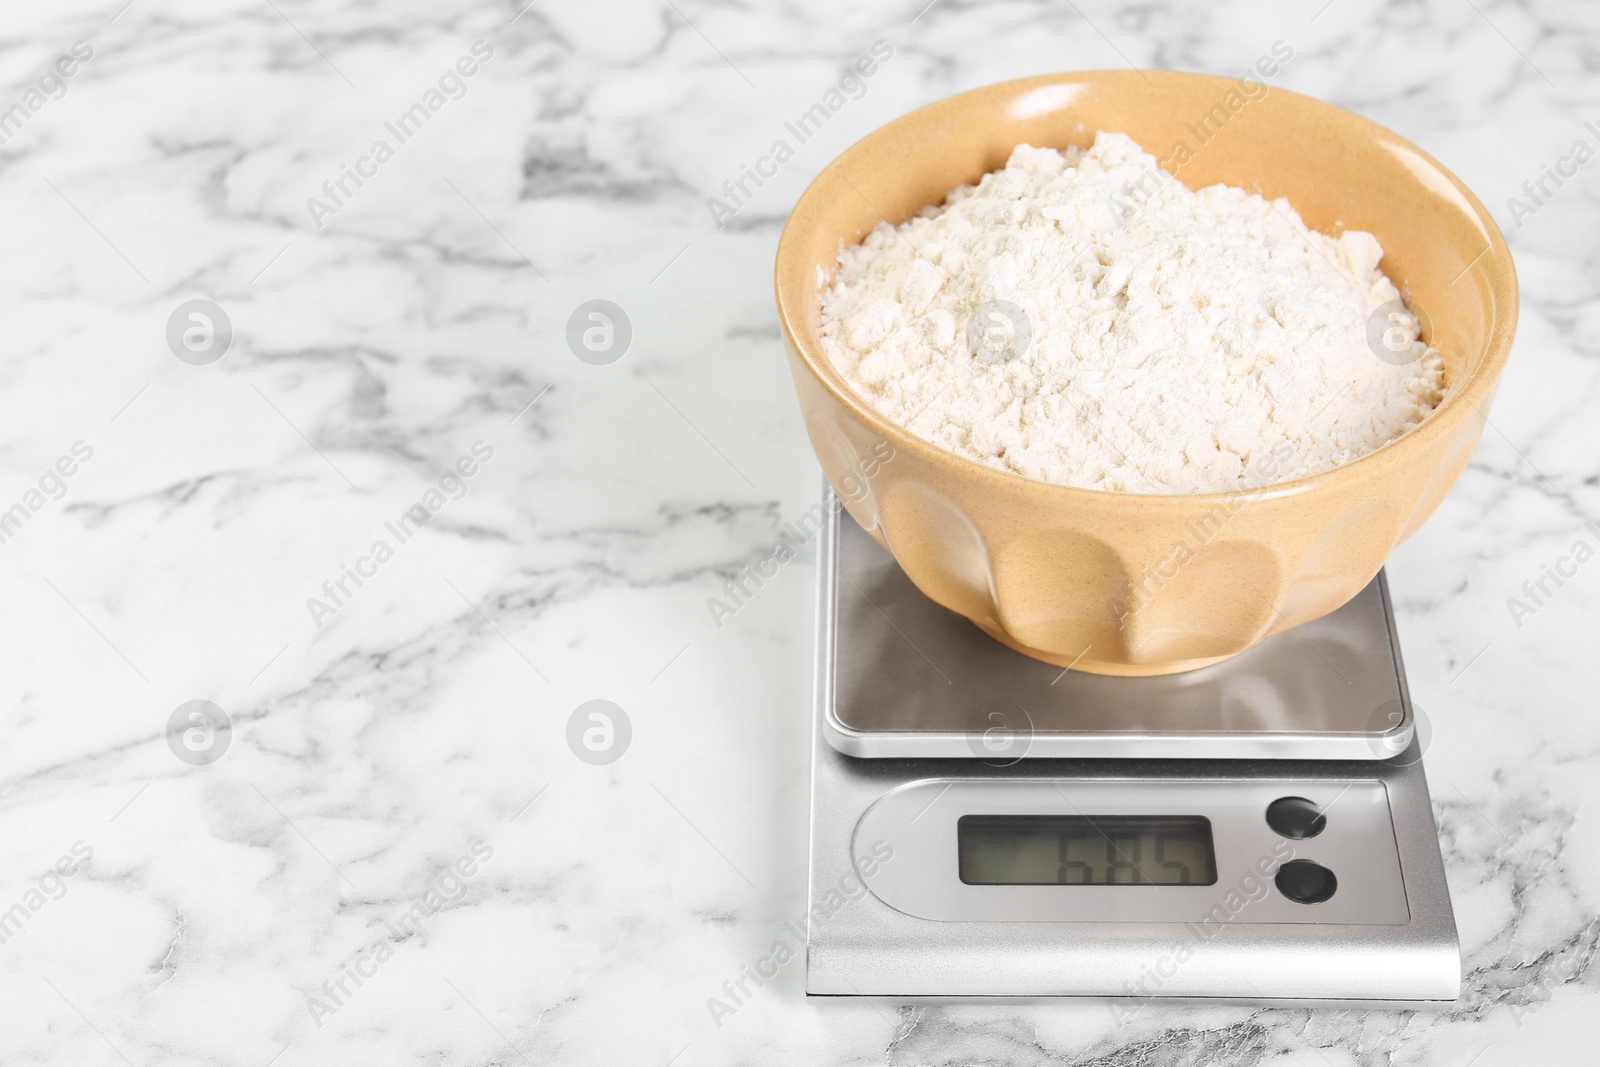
(400, 855)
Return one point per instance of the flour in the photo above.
(1083, 318)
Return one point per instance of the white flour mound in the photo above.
(1156, 340)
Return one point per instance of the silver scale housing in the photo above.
(910, 700)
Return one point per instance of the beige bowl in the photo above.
(1123, 583)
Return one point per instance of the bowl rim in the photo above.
(1458, 399)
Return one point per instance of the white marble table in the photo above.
(398, 859)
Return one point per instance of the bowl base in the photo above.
(1107, 667)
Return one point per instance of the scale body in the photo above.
(986, 824)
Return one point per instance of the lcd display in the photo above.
(1086, 850)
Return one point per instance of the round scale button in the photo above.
(1295, 818)
(1306, 882)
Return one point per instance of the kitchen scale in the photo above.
(987, 824)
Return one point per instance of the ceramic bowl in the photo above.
(1137, 584)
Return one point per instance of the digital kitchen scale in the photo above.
(987, 824)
